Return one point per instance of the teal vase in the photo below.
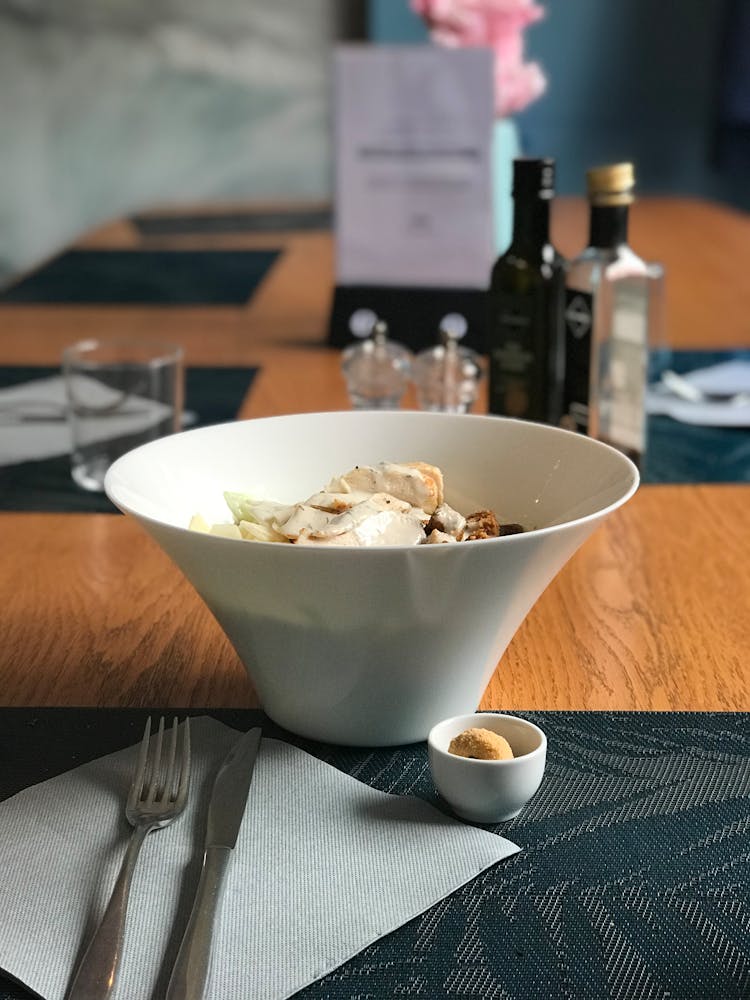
(506, 147)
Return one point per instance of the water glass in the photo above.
(121, 393)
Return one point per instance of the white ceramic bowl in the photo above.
(372, 646)
(488, 791)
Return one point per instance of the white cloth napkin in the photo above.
(34, 426)
(730, 377)
(324, 866)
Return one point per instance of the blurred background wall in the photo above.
(113, 106)
(660, 82)
(108, 106)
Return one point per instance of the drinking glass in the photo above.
(121, 393)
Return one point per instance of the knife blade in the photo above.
(225, 811)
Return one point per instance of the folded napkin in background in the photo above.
(728, 378)
(324, 866)
(33, 418)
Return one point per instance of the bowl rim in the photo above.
(110, 487)
(444, 755)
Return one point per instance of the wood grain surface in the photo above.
(653, 612)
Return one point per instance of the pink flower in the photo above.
(517, 87)
(495, 24)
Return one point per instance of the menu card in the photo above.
(413, 166)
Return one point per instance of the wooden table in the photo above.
(652, 613)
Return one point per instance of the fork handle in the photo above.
(95, 977)
(190, 972)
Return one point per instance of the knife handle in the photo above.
(190, 972)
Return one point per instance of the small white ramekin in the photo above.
(488, 791)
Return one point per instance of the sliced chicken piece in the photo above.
(418, 483)
(251, 531)
(304, 520)
(384, 527)
(338, 502)
(448, 520)
(437, 537)
(312, 522)
(432, 474)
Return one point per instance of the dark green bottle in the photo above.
(525, 332)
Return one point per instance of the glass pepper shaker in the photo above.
(447, 375)
(377, 370)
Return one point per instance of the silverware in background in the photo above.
(686, 390)
(225, 812)
(158, 794)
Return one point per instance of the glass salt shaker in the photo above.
(447, 375)
(377, 370)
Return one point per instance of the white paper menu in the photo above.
(413, 166)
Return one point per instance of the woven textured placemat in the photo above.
(251, 221)
(632, 882)
(144, 277)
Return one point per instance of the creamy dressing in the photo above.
(449, 521)
(338, 501)
(381, 528)
(438, 537)
(312, 522)
(419, 484)
(386, 504)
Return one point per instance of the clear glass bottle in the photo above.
(447, 375)
(525, 335)
(612, 301)
(377, 370)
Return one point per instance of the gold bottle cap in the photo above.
(611, 185)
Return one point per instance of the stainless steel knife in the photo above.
(225, 812)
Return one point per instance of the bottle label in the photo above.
(512, 357)
(579, 310)
(628, 357)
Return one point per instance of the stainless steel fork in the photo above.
(158, 793)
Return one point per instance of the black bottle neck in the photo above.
(530, 223)
(608, 226)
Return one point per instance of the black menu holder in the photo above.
(413, 315)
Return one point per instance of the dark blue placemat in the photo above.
(147, 277)
(633, 881)
(300, 220)
(213, 394)
(687, 453)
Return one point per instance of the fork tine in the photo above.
(168, 782)
(155, 782)
(182, 787)
(152, 787)
(140, 768)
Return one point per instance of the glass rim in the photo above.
(160, 352)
